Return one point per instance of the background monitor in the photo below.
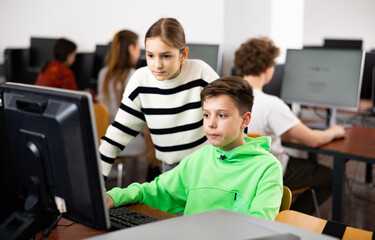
(343, 43)
(274, 86)
(83, 68)
(99, 58)
(41, 49)
(53, 147)
(210, 53)
(326, 78)
(367, 90)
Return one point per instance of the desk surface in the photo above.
(79, 231)
(358, 144)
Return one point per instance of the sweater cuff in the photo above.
(122, 196)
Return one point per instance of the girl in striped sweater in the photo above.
(165, 96)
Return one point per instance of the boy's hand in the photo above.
(110, 202)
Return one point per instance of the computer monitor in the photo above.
(41, 50)
(274, 86)
(367, 90)
(343, 43)
(328, 78)
(99, 58)
(210, 53)
(82, 69)
(52, 138)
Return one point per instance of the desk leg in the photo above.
(368, 172)
(338, 189)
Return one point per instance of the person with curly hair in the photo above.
(254, 61)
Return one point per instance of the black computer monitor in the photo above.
(274, 86)
(367, 90)
(328, 78)
(52, 138)
(41, 50)
(83, 68)
(210, 53)
(343, 43)
(101, 52)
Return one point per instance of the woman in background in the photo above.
(112, 79)
(56, 72)
(120, 65)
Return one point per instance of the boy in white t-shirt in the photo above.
(254, 61)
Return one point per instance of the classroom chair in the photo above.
(299, 190)
(320, 225)
(102, 119)
(286, 200)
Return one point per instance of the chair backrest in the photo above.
(286, 200)
(301, 220)
(102, 119)
(254, 135)
(318, 225)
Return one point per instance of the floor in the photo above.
(360, 199)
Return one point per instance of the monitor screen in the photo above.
(323, 77)
(367, 85)
(210, 53)
(343, 43)
(41, 50)
(53, 147)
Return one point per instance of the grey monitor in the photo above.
(210, 53)
(328, 78)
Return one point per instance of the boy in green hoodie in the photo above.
(234, 172)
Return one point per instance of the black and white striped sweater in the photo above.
(171, 108)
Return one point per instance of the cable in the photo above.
(66, 225)
(47, 231)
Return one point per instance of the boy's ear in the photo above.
(246, 119)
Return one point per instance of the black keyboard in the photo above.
(124, 218)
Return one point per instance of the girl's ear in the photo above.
(184, 54)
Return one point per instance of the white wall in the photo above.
(91, 22)
(339, 19)
(229, 22)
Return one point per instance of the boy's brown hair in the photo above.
(236, 88)
(254, 56)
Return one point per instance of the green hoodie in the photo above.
(246, 179)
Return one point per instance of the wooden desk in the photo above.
(359, 144)
(80, 231)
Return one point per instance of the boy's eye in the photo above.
(166, 56)
(222, 115)
(150, 55)
(205, 115)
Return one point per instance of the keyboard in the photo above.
(124, 218)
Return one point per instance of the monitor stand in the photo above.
(330, 120)
(25, 224)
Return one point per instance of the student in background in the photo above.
(235, 172)
(120, 65)
(254, 61)
(112, 79)
(56, 72)
(165, 97)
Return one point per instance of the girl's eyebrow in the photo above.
(167, 52)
